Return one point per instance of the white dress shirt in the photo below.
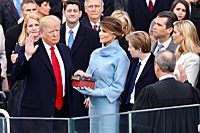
(62, 68)
(165, 44)
(75, 30)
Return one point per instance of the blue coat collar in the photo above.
(110, 49)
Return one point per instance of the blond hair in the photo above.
(128, 25)
(191, 41)
(140, 40)
(24, 34)
(48, 21)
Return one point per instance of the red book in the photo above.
(80, 81)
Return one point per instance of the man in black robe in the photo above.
(165, 93)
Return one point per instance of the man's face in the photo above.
(28, 9)
(160, 29)
(72, 13)
(134, 52)
(51, 35)
(94, 9)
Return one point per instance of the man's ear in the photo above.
(169, 30)
(80, 14)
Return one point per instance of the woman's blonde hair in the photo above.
(191, 41)
(24, 34)
(128, 26)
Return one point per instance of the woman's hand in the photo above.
(81, 73)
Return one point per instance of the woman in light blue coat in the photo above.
(109, 65)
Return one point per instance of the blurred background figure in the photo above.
(27, 7)
(3, 62)
(195, 15)
(94, 13)
(188, 51)
(142, 12)
(152, 37)
(43, 7)
(9, 14)
(181, 9)
(127, 27)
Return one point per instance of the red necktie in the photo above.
(95, 27)
(59, 86)
(150, 6)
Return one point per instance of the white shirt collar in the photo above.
(166, 43)
(75, 29)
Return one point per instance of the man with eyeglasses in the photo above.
(94, 10)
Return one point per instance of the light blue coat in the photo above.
(109, 65)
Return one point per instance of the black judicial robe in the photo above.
(166, 93)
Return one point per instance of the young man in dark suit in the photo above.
(46, 69)
(165, 93)
(139, 48)
(82, 42)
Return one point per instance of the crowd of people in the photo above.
(143, 54)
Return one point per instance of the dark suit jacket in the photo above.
(165, 93)
(11, 39)
(195, 16)
(147, 77)
(86, 41)
(9, 15)
(39, 89)
(172, 47)
(140, 15)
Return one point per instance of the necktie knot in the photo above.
(71, 32)
(95, 27)
(52, 48)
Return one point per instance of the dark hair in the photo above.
(39, 2)
(113, 25)
(185, 3)
(76, 2)
(171, 17)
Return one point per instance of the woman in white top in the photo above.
(187, 54)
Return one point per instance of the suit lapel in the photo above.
(63, 33)
(44, 57)
(143, 6)
(148, 65)
(134, 63)
(78, 39)
(64, 57)
(11, 7)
